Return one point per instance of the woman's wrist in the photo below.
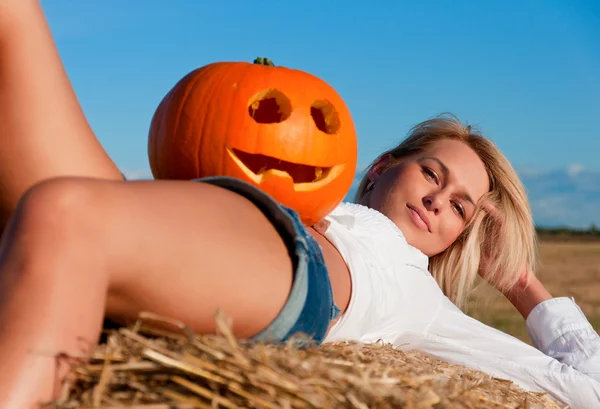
(527, 294)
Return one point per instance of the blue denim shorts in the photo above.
(310, 307)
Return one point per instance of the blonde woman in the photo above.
(81, 244)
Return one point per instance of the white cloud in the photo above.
(564, 197)
(565, 210)
(530, 171)
(575, 169)
(551, 207)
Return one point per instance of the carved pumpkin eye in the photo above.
(325, 116)
(269, 107)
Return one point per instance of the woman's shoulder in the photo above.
(374, 231)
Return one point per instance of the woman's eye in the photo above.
(430, 174)
(459, 209)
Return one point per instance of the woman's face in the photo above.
(432, 195)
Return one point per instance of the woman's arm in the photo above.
(560, 330)
(566, 364)
(527, 293)
(567, 367)
(556, 326)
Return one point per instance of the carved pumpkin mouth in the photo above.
(305, 177)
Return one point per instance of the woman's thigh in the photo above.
(182, 249)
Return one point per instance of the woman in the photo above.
(81, 244)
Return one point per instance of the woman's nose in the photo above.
(433, 203)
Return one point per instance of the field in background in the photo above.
(570, 267)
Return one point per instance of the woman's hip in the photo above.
(310, 307)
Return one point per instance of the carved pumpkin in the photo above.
(283, 130)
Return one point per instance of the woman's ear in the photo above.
(378, 167)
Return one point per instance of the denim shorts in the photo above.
(310, 307)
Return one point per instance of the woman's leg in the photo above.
(77, 248)
(43, 131)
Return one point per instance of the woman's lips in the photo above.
(419, 218)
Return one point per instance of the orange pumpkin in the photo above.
(283, 130)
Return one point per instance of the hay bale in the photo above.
(146, 367)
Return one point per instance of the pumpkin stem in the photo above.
(264, 61)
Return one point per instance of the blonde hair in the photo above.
(513, 242)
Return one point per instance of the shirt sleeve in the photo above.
(559, 329)
(455, 337)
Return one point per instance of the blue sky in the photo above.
(527, 73)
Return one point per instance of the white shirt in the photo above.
(396, 300)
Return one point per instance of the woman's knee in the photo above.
(52, 235)
(58, 209)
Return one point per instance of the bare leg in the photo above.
(43, 131)
(180, 249)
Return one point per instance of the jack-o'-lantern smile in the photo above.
(258, 166)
